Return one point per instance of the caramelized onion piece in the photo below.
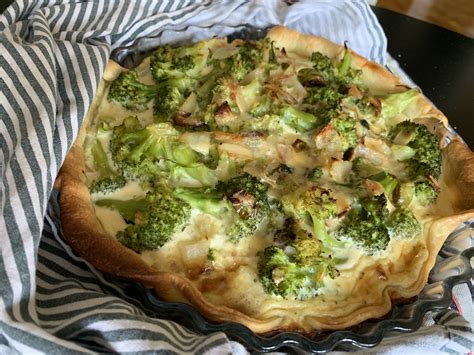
(186, 119)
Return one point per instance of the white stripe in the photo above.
(57, 295)
(146, 343)
(162, 6)
(116, 27)
(132, 16)
(80, 83)
(59, 20)
(64, 264)
(73, 290)
(63, 283)
(174, 7)
(34, 329)
(64, 68)
(61, 278)
(137, 345)
(92, 269)
(23, 162)
(21, 221)
(85, 20)
(13, 274)
(124, 324)
(25, 83)
(41, 76)
(20, 347)
(104, 17)
(72, 22)
(60, 324)
(5, 134)
(154, 29)
(91, 26)
(84, 304)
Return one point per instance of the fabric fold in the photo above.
(52, 56)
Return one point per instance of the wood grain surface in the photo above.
(455, 15)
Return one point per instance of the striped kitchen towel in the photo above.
(52, 56)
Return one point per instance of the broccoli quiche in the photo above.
(285, 183)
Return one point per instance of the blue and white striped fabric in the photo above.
(52, 56)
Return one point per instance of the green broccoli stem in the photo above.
(299, 120)
(345, 64)
(272, 59)
(101, 161)
(128, 209)
(207, 201)
(322, 234)
(147, 90)
(388, 182)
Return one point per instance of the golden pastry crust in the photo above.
(381, 283)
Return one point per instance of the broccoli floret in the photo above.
(345, 73)
(211, 254)
(245, 60)
(388, 182)
(136, 151)
(167, 62)
(296, 271)
(310, 210)
(346, 128)
(314, 174)
(323, 66)
(247, 183)
(426, 160)
(244, 227)
(168, 100)
(225, 90)
(264, 106)
(155, 151)
(298, 120)
(252, 206)
(402, 224)
(425, 193)
(108, 184)
(156, 219)
(326, 97)
(325, 73)
(364, 224)
(183, 63)
(282, 276)
(130, 93)
(160, 61)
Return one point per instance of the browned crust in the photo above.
(85, 234)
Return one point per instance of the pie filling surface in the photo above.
(277, 176)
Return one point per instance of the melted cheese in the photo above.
(111, 220)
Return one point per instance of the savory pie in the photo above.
(285, 183)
